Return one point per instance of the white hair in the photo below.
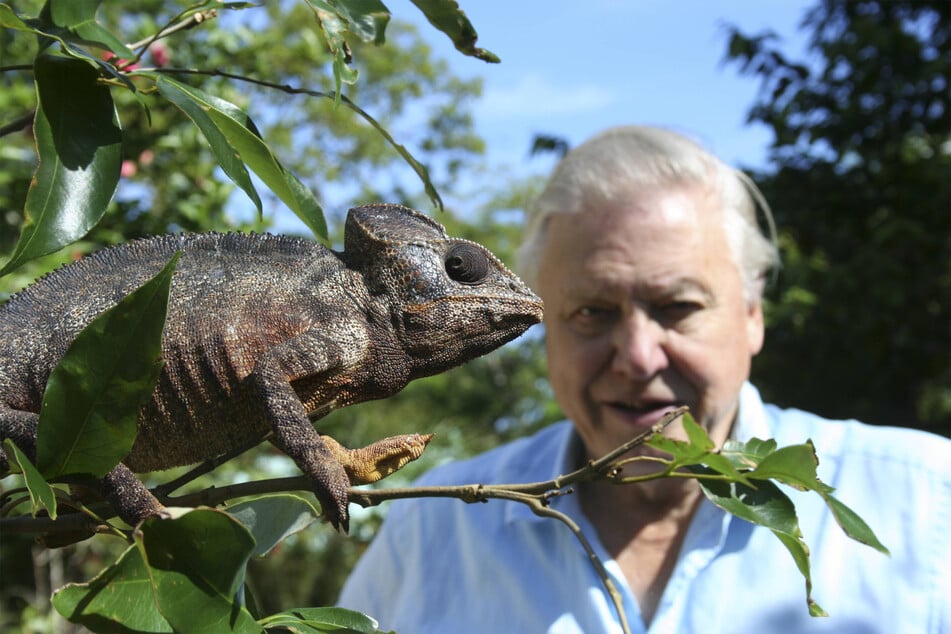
(618, 161)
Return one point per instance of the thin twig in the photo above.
(20, 123)
(173, 27)
(166, 488)
(416, 166)
(544, 510)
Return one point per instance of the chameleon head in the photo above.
(452, 299)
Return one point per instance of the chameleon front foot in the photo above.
(379, 459)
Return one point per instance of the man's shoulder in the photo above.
(849, 440)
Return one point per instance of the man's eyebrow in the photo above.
(682, 284)
(593, 288)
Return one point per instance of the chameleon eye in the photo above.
(466, 264)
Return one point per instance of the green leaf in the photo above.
(272, 518)
(333, 27)
(794, 465)
(767, 506)
(180, 576)
(10, 20)
(749, 454)
(197, 561)
(88, 416)
(197, 110)
(70, 13)
(367, 19)
(322, 620)
(46, 28)
(41, 493)
(121, 598)
(102, 65)
(236, 142)
(242, 134)
(446, 16)
(800, 554)
(79, 146)
(723, 466)
(853, 525)
(696, 435)
(79, 17)
(682, 453)
(699, 449)
(208, 546)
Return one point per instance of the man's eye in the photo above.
(590, 318)
(594, 312)
(679, 309)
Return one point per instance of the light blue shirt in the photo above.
(442, 566)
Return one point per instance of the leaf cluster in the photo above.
(163, 121)
(187, 573)
(743, 479)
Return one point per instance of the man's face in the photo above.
(644, 312)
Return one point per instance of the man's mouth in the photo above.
(641, 413)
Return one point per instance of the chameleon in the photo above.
(265, 333)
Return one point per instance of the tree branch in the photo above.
(604, 468)
(536, 495)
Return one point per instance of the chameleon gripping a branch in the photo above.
(263, 330)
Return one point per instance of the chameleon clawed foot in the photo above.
(329, 483)
(379, 459)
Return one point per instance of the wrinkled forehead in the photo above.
(634, 210)
(667, 234)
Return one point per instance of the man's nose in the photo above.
(639, 351)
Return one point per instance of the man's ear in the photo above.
(755, 330)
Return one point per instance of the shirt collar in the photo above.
(564, 447)
(751, 418)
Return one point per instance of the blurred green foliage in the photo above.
(859, 322)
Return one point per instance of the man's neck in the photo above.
(643, 527)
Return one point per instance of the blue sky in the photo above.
(572, 68)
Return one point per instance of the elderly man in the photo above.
(647, 253)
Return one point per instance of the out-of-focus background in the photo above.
(838, 109)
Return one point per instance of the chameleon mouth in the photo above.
(524, 312)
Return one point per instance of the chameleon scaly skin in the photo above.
(264, 329)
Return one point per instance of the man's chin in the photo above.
(644, 460)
